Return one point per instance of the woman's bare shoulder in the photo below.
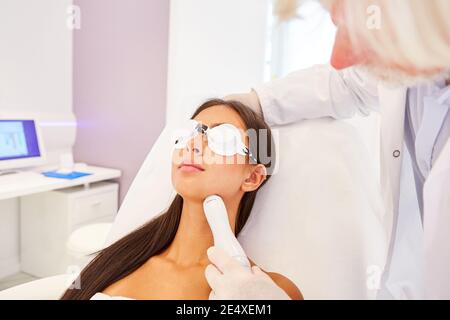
(284, 283)
(287, 285)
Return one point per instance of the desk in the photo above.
(45, 223)
(30, 182)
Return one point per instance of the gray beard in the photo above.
(399, 79)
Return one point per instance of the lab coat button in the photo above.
(396, 153)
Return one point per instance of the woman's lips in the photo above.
(190, 168)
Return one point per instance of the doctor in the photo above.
(384, 51)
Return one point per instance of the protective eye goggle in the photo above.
(224, 139)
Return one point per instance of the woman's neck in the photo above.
(194, 235)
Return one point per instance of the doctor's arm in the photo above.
(316, 92)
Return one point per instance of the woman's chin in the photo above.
(192, 195)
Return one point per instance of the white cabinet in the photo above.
(48, 218)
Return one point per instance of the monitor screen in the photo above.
(18, 139)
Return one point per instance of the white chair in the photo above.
(50, 288)
(85, 241)
(319, 220)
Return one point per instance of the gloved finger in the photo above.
(213, 276)
(222, 260)
(282, 295)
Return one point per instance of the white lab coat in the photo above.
(322, 91)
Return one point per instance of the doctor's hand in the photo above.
(250, 99)
(231, 281)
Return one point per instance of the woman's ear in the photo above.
(256, 176)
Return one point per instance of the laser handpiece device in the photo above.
(223, 235)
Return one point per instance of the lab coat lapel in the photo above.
(436, 224)
(392, 109)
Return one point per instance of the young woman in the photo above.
(166, 258)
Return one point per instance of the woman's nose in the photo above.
(195, 145)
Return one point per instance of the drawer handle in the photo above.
(96, 204)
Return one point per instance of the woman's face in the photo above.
(226, 176)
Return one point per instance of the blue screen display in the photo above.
(18, 139)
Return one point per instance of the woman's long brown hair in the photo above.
(129, 253)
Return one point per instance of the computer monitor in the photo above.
(20, 144)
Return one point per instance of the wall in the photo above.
(216, 48)
(119, 84)
(36, 76)
(35, 59)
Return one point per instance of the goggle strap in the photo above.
(247, 152)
